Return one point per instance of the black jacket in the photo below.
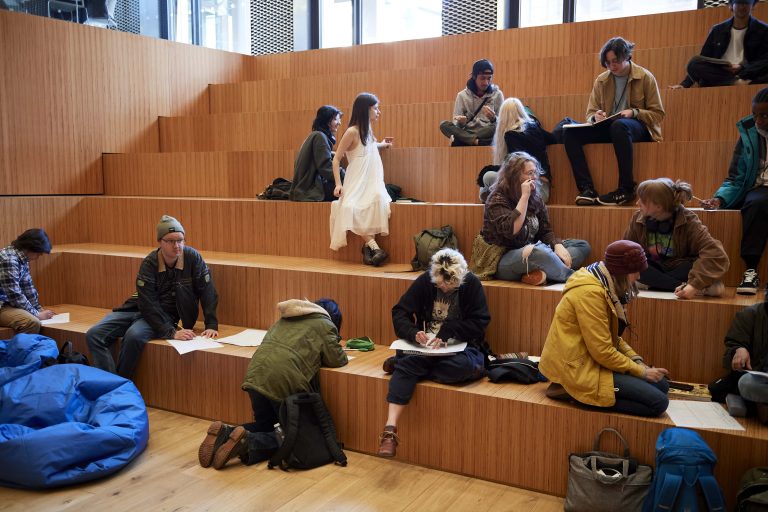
(164, 296)
(755, 47)
(749, 330)
(415, 309)
(533, 140)
(314, 163)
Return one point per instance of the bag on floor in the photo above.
(753, 491)
(684, 479)
(309, 434)
(429, 241)
(606, 482)
(515, 369)
(279, 189)
(68, 355)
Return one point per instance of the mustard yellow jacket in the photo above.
(583, 347)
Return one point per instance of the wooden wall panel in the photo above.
(59, 216)
(72, 92)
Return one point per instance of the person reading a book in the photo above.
(172, 284)
(746, 188)
(444, 306)
(624, 108)
(735, 52)
(304, 339)
(584, 354)
(516, 219)
(682, 255)
(475, 110)
(746, 349)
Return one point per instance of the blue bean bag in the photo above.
(67, 424)
(24, 354)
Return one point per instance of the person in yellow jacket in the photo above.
(584, 355)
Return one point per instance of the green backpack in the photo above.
(753, 491)
(429, 241)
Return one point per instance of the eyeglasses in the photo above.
(172, 242)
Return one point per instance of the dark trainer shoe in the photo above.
(218, 433)
(749, 283)
(617, 198)
(367, 254)
(389, 365)
(379, 257)
(586, 197)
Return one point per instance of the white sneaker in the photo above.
(716, 289)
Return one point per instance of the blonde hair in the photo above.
(449, 266)
(665, 193)
(512, 117)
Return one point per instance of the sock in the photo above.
(372, 244)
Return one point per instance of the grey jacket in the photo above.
(467, 102)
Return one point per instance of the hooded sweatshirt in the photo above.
(293, 350)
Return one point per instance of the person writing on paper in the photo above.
(627, 93)
(682, 255)
(20, 307)
(305, 338)
(444, 305)
(746, 189)
(735, 52)
(475, 109)
(516, 219)
(746, 348)
(172, 283)
(584, 354)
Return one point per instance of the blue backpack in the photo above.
(684, 464)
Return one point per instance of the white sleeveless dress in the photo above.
(363, 208)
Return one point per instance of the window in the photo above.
(534, 13)
(397, 20)
(226, 25)
(335, 23)
(587, 10)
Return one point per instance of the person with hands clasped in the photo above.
(444, 305)
(517, 219)
(682, 255)
(20, 307)
(363, 204)
(584, 354)
(172, 283)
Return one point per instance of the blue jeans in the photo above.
(135, 332)
(512, 266)
(638, 396)
(410, 369)
(754, 388)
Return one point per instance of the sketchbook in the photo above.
(587, 124)
(411, 348)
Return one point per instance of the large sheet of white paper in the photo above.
(61, 318)
(410, 347)
(686, 413)
(198, 343)
(246, 338)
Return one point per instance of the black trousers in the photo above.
(754, 225)
(622, 133)
(665, 278)
(708, 74)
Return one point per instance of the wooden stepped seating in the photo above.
(416, 124)
(652, 31)
(508, 433)
(431, 174)
(522, 78)
(285, 228)
(250, 285)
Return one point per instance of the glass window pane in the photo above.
(397, 20)
(226, 25)
(587, 10)
(335, 23)
(183, 27)
(534, 13)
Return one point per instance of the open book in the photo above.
(713, 60)
(583, 125)
(411, 348)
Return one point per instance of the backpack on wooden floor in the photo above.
(309, 434)
(753, 491)
(429, 241)
(684, 479)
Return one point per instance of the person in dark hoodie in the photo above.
(313, 168)
(474, 113)
(305, 338)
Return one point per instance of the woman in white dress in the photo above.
(363, 204)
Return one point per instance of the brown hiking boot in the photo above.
(231, 448)
(535, 278)
(388, 442)
(218, 432)
(389, 365)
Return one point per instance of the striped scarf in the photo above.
(599, 270)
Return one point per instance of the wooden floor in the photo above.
(167, 477)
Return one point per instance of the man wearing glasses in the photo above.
(172, 281)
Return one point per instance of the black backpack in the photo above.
(67, 355)
(753, 491)
(279, 189)
(309, 434)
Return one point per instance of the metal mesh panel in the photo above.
(461, 16)
(271, 26)
(127, 16)
(718, 3)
